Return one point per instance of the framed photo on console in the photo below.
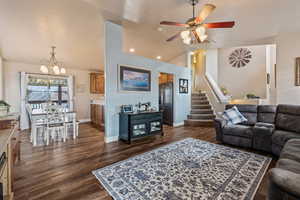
(183, 86)
(132, 79)
(127, 108)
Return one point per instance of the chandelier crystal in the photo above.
(52, 65)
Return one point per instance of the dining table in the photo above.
(39, 119)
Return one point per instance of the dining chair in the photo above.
(36, 124)
(55, 123)
(71, 122)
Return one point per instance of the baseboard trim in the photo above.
(111, 139)
(84, 120)
(178, 124)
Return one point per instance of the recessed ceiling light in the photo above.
(160, 29)
(158, 57)
(132, 50)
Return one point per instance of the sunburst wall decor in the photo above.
(240, 57)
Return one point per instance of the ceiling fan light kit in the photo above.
(185, 35)
(195, 28)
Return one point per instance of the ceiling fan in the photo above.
(195, 27)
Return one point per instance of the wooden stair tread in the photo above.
(206, 106)
(201, 113)
(202, 109)
(200, 120)
(200, 103)
(199, 123)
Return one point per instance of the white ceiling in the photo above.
(29, 27)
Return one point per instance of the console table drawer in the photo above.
(145, 116)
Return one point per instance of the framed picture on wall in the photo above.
(133, 79)
(183, 86)
(297, 72)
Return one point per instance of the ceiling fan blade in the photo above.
(220, 25)
(173, 37)
(205, 12)
(172, 23)
(196, 36)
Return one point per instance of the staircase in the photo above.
(202, 113)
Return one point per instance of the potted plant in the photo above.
(4, 108)
(224, 91)
(252, 96)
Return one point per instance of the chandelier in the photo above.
(52, 65)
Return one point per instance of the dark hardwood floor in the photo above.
(63, 170)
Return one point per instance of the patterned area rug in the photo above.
(188, 169)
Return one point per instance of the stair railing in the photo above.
(216, 98)
(216, 90)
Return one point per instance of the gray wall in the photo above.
(244, 80)
(114, 99)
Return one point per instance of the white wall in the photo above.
(114, 99)
(211, 64)
(270, 63)
(288, 48)
(12, 86)
(244, 80)
(1, 79)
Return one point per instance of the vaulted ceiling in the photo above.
(29, 27)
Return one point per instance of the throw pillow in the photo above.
(233, 116)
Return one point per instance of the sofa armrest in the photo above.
(219, 125)
(264, 125)
(286, 181)
(221, 121)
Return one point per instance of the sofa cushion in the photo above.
(233, 116)
(291, 150)
(288, 118)
(266, 114)
(289, 165)
(248, 111)
(280, 137)
(262, 136)
(283, 184)
(237, 141)
(238, 130)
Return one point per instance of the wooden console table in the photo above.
(138, 125)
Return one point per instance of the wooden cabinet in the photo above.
(97, 83)
(97, 116)
(138, 125)
(10, 148)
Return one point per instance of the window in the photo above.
(41, 89)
